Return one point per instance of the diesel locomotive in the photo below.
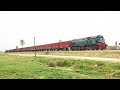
(89, 43)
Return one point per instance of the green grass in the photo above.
(18, 67)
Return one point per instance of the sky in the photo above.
(52, 26)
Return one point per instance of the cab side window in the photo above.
(88, 38)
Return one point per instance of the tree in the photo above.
(16, 47)
(60, 40)
(22, 42)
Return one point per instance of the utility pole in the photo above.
(34, 46)
(116, 45)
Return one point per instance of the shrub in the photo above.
(100, 64)
(104, 68)
(47, 52)
(62, 63)
(59, 63)
(90, 67)
(117, 67)
(52, 64)
(116, 74)
(78, 66)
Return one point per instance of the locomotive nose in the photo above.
(102, 45)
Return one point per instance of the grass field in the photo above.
(16, 67)
(99, 53)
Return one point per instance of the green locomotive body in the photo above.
(87, 43)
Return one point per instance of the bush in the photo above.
(78, 66)
(117, 67)
(84, 67)
(111, 47)
(59, 63)
(47, 52)
(52, 64)
(100, 64)
(62, 63)
(90, 67)
(116, 74)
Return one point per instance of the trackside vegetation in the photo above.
(19, 67)
(95, 53)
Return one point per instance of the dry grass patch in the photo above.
(52, 64)
(62, 63)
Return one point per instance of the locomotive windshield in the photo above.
(101, 39)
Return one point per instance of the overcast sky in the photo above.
(52, 26)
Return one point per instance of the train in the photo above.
(88, 43)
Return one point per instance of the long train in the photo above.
(87, 43)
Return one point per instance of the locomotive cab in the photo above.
(101, 42)
(100, 39)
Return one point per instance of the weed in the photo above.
(117, 67)
(79, 66)
(90, 67)
(52, 64)
(116, 74)
(47, 52)
(62, 63)
(100, 64)
(59, 63)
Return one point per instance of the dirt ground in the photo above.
(74, 57)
